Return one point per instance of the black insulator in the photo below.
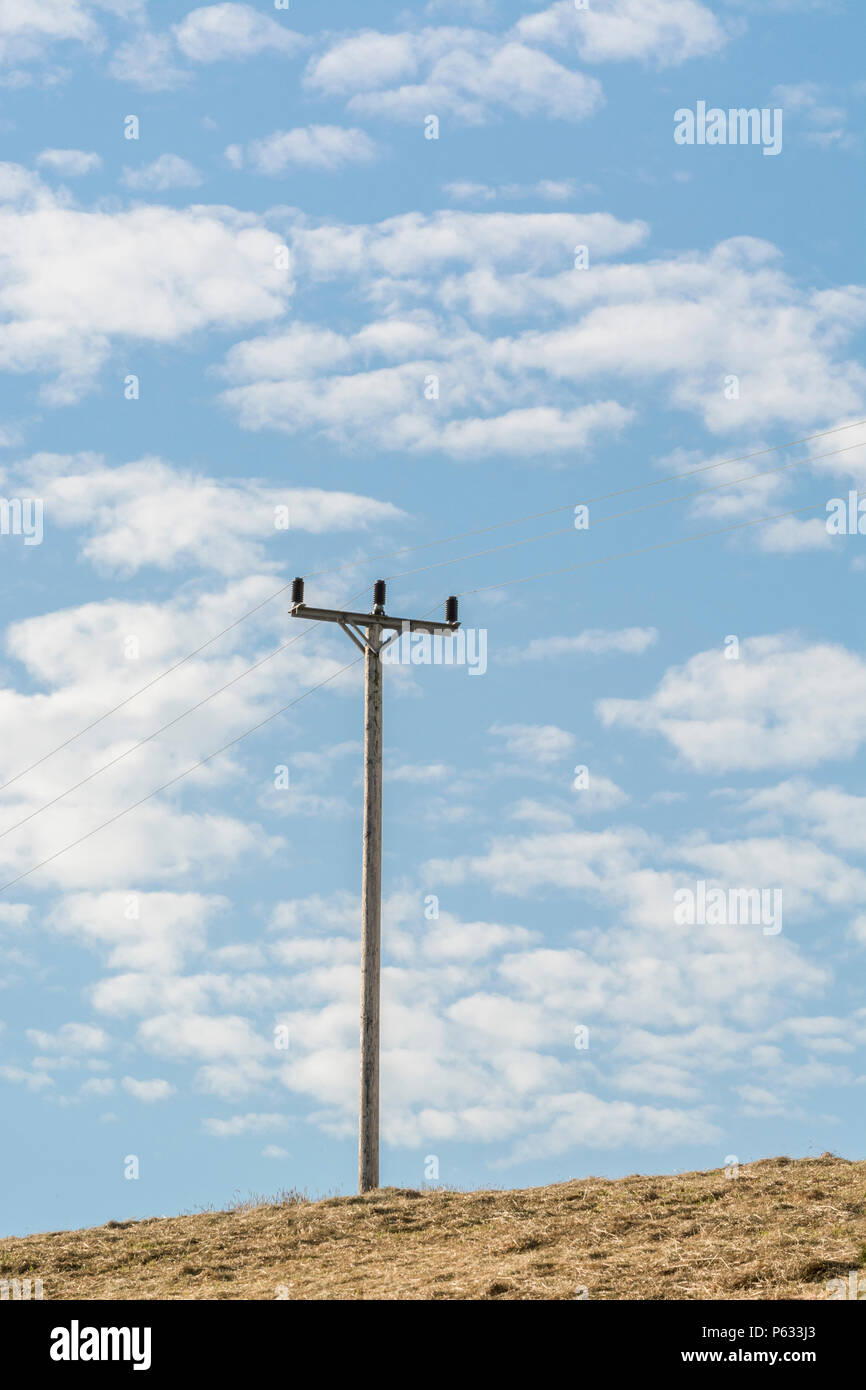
(297, 591)
(451, 609)
(379, 594)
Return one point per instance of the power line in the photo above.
(505, 583)
(405, 550)
(643, 550)
(150, 684)
(617, 516)
(176, 720)
(180, 776)
(201, 763)
(586, 501)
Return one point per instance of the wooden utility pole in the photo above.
(366, 631)
(371, 925)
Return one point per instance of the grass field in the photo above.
(781, 1229)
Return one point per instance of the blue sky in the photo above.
(283, 262)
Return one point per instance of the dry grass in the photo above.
(780, 1230)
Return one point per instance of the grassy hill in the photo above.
(781, 1229)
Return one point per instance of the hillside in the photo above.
(780, 1230)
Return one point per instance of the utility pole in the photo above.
(367, 632)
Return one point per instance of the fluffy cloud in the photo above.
(27, 31)
(147, 1091)
(666, 31)
(74, 280)
(122, 512)
(81, 656)
(664, 1006)
(142, 931)
(290, 382)
(541, 743)
(71, 163)
(393, 254)
(591, 642)
(825, 124)
(464, 75)
(148, 61)
(437, 368)
(327, 147)
(243, 1124)
(229, 31)
(784, 703)
(167, 171)
(378, 380)
(551, 190)
(71, 1038)
(828, 813)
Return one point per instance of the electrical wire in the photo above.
(524, 579)
(588, 501)
(176, 720)
(643, 550)
(194, 768)
(614, 516)
(405, 550)
(179, 778)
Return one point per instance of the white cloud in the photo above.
(72, 1037)
(215, 32)
(443, 243)
(97, 1086)
(33, 1080)
(475, 9)
(422, 774)
(438, 369)
(784, 703)
(200, 1035)
(121, 512)
(167, 171)
(327, 147)
(243, 1124)
(564, 1121)
(541, 429)
(551, 190)
(600, 794)
(590, 642)
(825, 125)
(71, 163)
(543, 814)
(139, 931)
(466, 75)
(148, 61)
(147, 1091)
(830, 813)
(148, 274)
(14, 915)
(666, 31)
(541, 743)
(791, 535)
(27, 31)
(675, 1010)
